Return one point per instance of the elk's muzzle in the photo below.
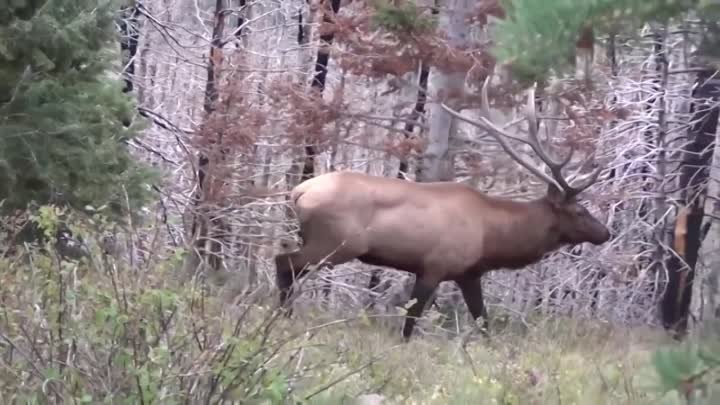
(601, 235)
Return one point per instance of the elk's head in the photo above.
(574, 223)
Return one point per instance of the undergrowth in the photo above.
(105, 330)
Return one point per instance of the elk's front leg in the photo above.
(422, 291)
(472, 293)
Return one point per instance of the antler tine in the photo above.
(499, 135)
(589, 181)
(534, 142)
(556, 179)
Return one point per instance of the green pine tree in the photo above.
(62, 109)
(538, 38)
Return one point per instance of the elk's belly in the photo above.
(409, 263)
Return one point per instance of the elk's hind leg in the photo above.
(472, 293)
(421, 293)
(290, 267)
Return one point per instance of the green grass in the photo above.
(576, 364)
(106, 333)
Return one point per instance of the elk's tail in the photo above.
(297, 192)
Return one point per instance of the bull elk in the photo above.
(440, 231)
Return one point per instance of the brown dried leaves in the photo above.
(375, 53)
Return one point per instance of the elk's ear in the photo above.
(555, 195)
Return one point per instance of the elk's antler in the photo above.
(555, 167)
(500, 134)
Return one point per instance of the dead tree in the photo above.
(694, 174)
(209, 230)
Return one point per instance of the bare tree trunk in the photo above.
(249, 244)
(584, 52)
(318, 83)
(709, 291)
(418, 111)
(710, 288)
(130, 34)
(237, 32)
(687, 237)
(655, 138)
(437, 161)
(653, 210)
(294, 174)
(318, 86)
(599, 276)
(209, 230)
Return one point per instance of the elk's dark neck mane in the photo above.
(518, 233)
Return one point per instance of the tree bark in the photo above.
(437, 162)
(318, 87)
(652, 209)
(130, 35)
(655, 139)
(418, 111)
(318, 83)
(710, 288)
(209, 230)
(709, 291)
(584, 52)
(687, 238)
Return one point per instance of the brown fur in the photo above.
(442, 231)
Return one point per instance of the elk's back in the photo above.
(396, 222)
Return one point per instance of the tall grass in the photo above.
(101, 330)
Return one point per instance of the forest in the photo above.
(360, 202)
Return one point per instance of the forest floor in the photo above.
(105, 332)
(561, 362)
